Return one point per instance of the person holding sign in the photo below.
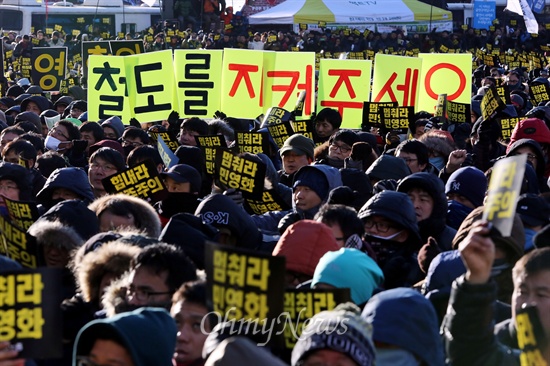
(471, 308)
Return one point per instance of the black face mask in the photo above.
(385, 249)
(177, 203)
(128, 149)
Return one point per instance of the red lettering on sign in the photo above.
(287, 89)
(243, 72)
(343, 77)
(308, 87)
(409, 88)
(451, 67)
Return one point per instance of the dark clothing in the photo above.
(468, 327)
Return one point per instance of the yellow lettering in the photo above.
(526, 336)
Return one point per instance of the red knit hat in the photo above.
(531, 128)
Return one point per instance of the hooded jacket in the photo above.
(537, 149)
(388, 167)
(241, 351)
(148, 334)
(404, 318)
(73, 179)
(435, 224)
(115, 123)
(42, 102)
(220, 211)
(303, 244)
(269, 221)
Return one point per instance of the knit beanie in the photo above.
(469, 182)
(349, 268)
(314, 179)
(341, 330)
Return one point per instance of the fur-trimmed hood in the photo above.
(219, 126)
(114, 299)
(55, 233)
(438, 143)
(112, 258)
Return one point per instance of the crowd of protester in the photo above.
(396, 219)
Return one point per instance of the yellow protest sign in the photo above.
(444, 74)
(242, 83)
(286, 74)
(151, 85)
(198, 82)
(504, 188)
(396, 79)
(107, 88)
(344, 85)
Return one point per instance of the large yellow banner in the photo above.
(344, 85)
(286, 74)
(396, 79)
(198, 82)
(242, 83)
(107, 88)
(444, 73)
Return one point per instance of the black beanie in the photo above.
(313, 178)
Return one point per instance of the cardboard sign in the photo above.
(211, 141)
(280, 132)
(240, 173)
(90, 48)
(168, 157)
(270, 201)
(242, 83)
(302, 304)
(48, 67)
(396, 79)
(444, 74)
(168, 137)
(372, 112)
(198, 80)
(244, 284)
(491, 103)
(275, 115)
(21, 214)
(531, 338)
(344, 85)
(441, 107)
(141, 181)
(285, 75)
(504, 188)
(252, 142)
(539, 93)
(503, 93)
(29, 312)
(17, 245)
(396, 119)
(458, 112)
(127, 47)
(305, 128)
(507, 125)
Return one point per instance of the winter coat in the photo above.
(468, 327)
(73, 179)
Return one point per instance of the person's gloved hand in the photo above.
(173, 119)
(235, 195)
(79, 146)
(360, 151)
(220, 115)
(427, 253)
(135, 123)
(288, 220)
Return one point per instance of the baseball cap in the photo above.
(183, 173)
(298, 144)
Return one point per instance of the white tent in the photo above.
(350, 12)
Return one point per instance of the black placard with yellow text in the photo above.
(372, 112)
(244, 284)
(29, 312)
(141, 181)
(22, 214)
(252, 142)
(168, 137)
(531, 338)
(491, 103)
(241, 173)
(17, 245)
(48, 67)
(270, 201)
(507, 125)
(396, 119)
(305, 128)
(458, 112)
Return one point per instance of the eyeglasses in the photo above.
(104, 168)
(56, 131)
(342, 149)
(513, 81)
(381, 226)
(408, 160)
(531, 157)
(143, 295)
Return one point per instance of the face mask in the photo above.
(395, 357)
(499, 265)
(456, 213)
(438, 162)
(52, 143)
(384, 248)
(386, 237)
(178, 202)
